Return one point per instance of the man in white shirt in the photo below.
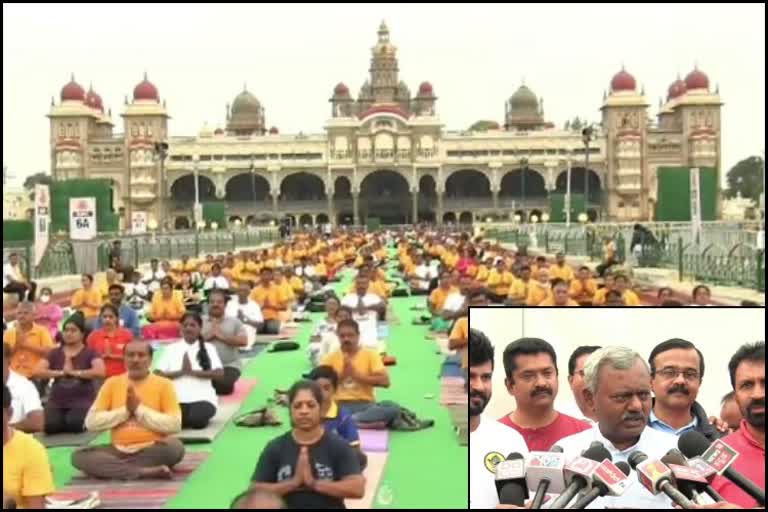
(456, 303)
(216, 280)
(618, 389)
(15, 282)
(27, 410)
(366, 308)
(576, 407)
(153, 276)
(247, 311)
(420, 277)
(490, 442)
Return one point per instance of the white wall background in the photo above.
(717, 332)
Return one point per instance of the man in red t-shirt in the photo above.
(747, 368)
(530, 365)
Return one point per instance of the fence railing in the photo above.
(59, 257)
(142, 249)
(739, 264)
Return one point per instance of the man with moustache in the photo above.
(747, 369)
(618, 390)
(531, 369)
(677, 371)
(489, 442)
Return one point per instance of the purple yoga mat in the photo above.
(374, 440)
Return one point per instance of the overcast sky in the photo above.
(291, 56)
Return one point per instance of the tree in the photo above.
(484, 126)
(577, 124)
(39, 178)
(746, 178)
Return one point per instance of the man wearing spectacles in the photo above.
(677, 370)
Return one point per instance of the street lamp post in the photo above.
(586, 136)
(568, 194)
(161, 151)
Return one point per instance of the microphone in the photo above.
(674, 458)
(544, 473)
(720, 456)
(610, 479)
(578, 473)
(510, 480)
(687, 480)
(656, 477)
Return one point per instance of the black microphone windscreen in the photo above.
(512, 495)
(515, 456)
(636, 458)
(674, 457)
(597, 452)
(624, 467)
(693, 444)
(556, 449)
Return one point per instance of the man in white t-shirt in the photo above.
(618, 389)
(153, 276)
(216, 280)
(366, 308)
(490, 442)
(14, 280)
(455, 304)
(27, 410)
(420, 277)
(248, 311)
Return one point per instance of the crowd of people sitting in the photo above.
(92, 367)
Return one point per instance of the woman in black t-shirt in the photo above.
(307, 466)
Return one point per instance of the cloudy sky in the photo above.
(199, 56)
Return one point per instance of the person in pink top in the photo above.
(466, 261)
(747, 368)
(530, 365)
(47, 313)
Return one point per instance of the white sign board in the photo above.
(695, 204)
(42, 221)
(82, 218)
(139, 222)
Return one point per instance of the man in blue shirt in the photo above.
(677, 371)
(337, 419)
(128, 317)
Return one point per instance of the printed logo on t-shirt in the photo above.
(491, 460)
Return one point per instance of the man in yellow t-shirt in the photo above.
(360, 370)
(459, 337)
(560, 269)
(540, 289)
(518, 290)
(499, 281)
(142, 411)
(30, 342)
(27, 477)
(622, 286)
(609, 285)
(87, 300)
(272, 301)
(583, 288)
(559, 296)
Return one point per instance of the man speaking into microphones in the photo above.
(618, 389)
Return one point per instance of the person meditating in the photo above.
(308, 466)
(164, 313)
(142, 413)
(192, 364)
